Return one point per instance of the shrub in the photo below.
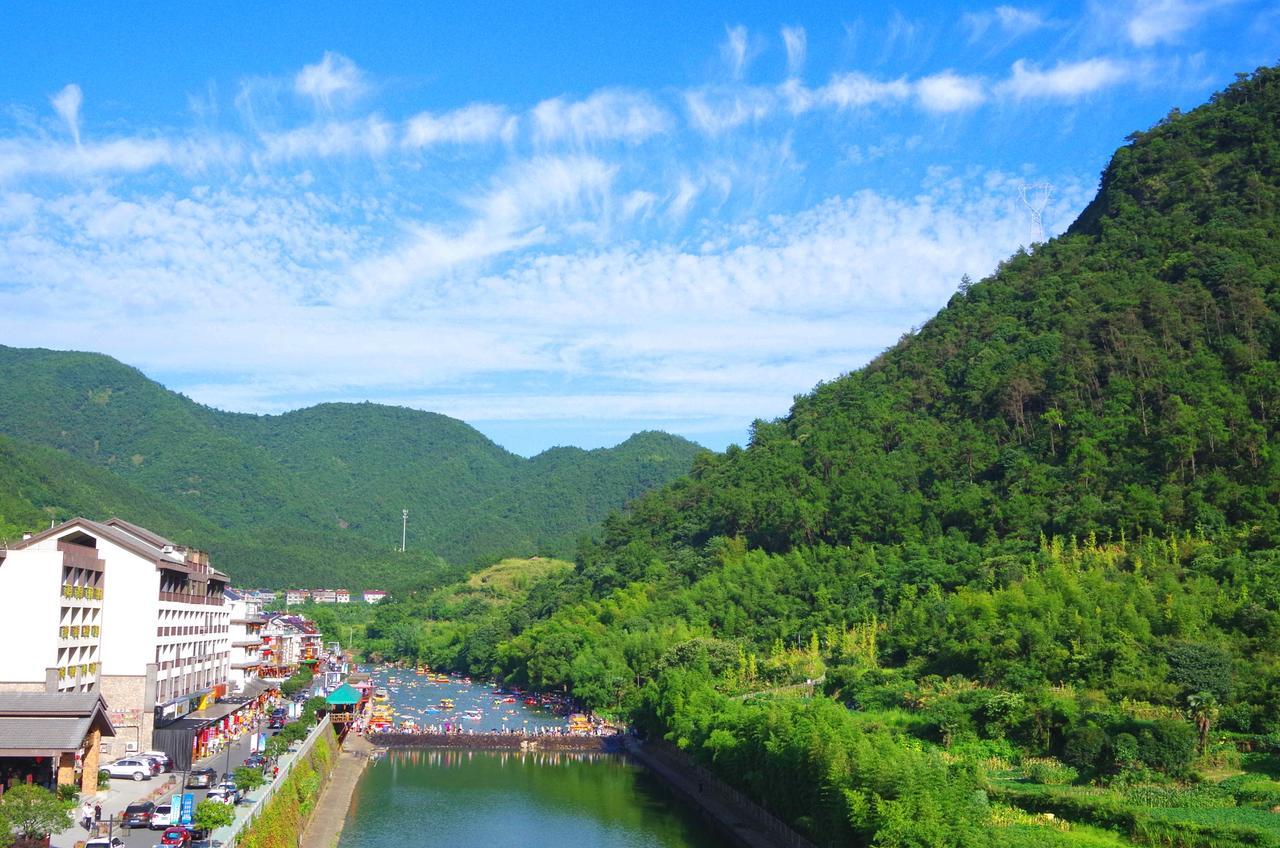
(68, 791)
(1167, 745)
(1051, 773)
(1084, 746)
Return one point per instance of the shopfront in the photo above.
(207, 731)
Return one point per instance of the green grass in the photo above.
(1219, 816)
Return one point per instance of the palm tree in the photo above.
(1204, 711)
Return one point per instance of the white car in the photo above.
(129, 767)
(225, 794)
(161, 818)
(105, 842)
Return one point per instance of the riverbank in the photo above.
(737, 817)
(334, 803)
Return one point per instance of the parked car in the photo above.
(255, 761)
(162, 817)
(201, 778)
(222, 793)
(156, 766)
(129, 767)
(138, 815)
(177, 837)
(105, 842)
(161, 756)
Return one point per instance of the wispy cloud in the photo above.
(67, 104)
(473, 124)
(1064, 80)
(1008, 21)
(950, 92)
(333, 78)
(795, 41)
(370, 136)
(1159, 21)
(608, 115)
(734, 50)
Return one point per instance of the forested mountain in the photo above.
(1031, 545)
(313, 495)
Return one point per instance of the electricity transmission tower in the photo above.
(1035, 196)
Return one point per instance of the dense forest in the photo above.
(307, 497)
(1022, 563)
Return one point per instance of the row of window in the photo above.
(88, 593)
(77, 670)
(77, 631)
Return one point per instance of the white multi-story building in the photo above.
(113, 607)
(342, 596)
(324, 596)
(293, 597)
(246, 638)
(372, 596)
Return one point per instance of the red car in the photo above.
(177, 837)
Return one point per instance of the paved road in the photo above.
(124, 792)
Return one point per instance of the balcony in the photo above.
(246, 643)
(188, 598)
(248, 664)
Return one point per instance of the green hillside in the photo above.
(312, 496)
(1025, 560)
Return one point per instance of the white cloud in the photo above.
(851, 90)
(1064, 80)
(334, 77)
(734, 50)
(1011, 21)
(21, 158)
(473, 124)
(370, 136)
(67, 104)
(286, 297)
(714, 111)
(1155, 21)
(607, 115)
(950, 92)
(795, 41)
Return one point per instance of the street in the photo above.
(124, 792)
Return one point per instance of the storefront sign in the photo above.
(188, 810)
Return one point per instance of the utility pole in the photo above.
(404, 528)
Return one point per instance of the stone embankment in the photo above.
(326, 823)
(497, 742)
(735, 815)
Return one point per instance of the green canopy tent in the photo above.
(342, 705)
(345, 695)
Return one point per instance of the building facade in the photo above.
(246, 639)
(115, 608)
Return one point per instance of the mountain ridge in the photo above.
(340, 470)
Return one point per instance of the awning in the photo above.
(345, 695)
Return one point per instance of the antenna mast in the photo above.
(1035, 196)
(404, 528)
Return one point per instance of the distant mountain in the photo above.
(309, 496)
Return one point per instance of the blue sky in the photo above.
(560, 224)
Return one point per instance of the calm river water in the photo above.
(483, 799)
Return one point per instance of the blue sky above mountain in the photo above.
(559, 226)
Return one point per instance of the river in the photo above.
(482, 799)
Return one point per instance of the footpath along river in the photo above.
(482, 799)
